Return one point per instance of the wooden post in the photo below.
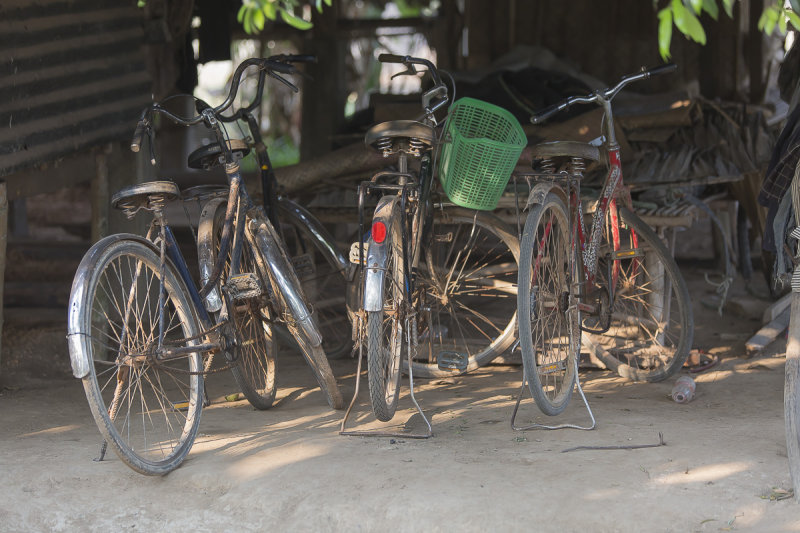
(3, 243)
(791, 394)
(100, 198)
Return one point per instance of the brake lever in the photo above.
(283, 80)
(152, 142)
(410, 71)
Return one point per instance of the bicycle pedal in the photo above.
(448, 360)
(303, 265)
(354, 253)
(243, 286)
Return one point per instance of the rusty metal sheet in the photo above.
(72, 76)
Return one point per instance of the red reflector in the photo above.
(378, 232)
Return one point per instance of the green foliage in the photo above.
(684, 14)
(254, 14)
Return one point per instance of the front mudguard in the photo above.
(388, 212)
(78, 340)
(281, 274)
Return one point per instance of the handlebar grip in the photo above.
(662, 69)
(391, 58)
(547, 112)
(305, 58)
(138, 134)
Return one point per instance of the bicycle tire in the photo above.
(255, 349)
(385, 334)
(115, 297)
(283, 283)
(639, 345)
(485, 275)
(548, 327)
(791, 394)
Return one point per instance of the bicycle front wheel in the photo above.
(465, 291)
(385, 334)
(146, 405)
(548, 324)
(651, 325)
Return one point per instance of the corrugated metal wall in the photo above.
(72, 76)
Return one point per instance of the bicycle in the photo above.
(138, 326)
(434, 276)
(305, 237)
(616, 289)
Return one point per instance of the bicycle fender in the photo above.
(540, 192)
(78, 340)
(206, 252)
(378, 255)
(280, 270)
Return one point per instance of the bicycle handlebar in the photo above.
(272, 66)
(437, 94)
(601, 95)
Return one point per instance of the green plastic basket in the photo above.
(482, 145)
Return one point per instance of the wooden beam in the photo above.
(3, 244)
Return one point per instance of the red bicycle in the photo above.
(613, 288)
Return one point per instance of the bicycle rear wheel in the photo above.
(146, 407)
(548, 326)
(385, 333)
(465, 290)
(255, 346)
(651, 324)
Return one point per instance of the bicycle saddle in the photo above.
(210, 155)
(419, 135)
(565, 149)
(149, 195)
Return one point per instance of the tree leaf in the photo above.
(782, 22)
(329, 3)
(710, 7)
(687, 23)
(697, 5)
(728, 5)
(258, 19)
(762, 21)
(241, 13)
(772, 20)
(293, 20)
(794, 19)
(269, 9)
(664, 32)
(795, 5)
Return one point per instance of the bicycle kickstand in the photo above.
(380, 433)
(559, 426)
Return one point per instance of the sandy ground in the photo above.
(288, 469)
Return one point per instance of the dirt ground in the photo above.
(288, 469)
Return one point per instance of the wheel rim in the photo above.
(550, 316)
(150, 409)
(646, 326)
(466, 291)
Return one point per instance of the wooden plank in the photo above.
(3, 244)
(776, 308)
(768, 333)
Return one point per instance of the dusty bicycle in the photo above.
(437, 278)
(140, 330)
(615, 289)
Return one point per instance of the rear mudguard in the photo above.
(387, 211)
